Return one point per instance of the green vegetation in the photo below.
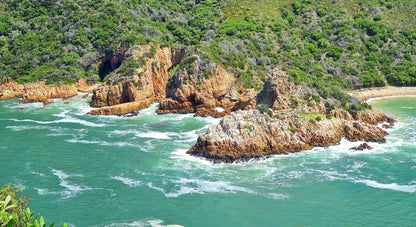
(263, 108)
(328, 45)
(14, 211)
(61, 41)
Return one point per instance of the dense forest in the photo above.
(330, 45)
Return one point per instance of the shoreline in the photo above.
(379, 92)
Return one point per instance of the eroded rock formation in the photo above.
(205, 89)
(147, 82)
(110, 95)
(245, 135)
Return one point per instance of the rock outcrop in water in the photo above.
(124, 108)
(244, 135)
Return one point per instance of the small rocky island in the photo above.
(244, 135)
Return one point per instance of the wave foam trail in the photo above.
(64, 120)
(198, 186)
(22, 128)
(392, 186)
(71, 189)
(101, 143)
(278, 196)
(143, 223)
(140, 134)
(127, 181)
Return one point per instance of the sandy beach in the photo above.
(368, 93)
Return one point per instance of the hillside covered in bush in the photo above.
(328, 45)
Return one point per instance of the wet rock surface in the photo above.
(361, 147)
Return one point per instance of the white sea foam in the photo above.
(141, 134)
(143, 223)
(181, 154)
(198, 186)
(102, 143)
(24, 127)
(64, 120)
(392, 186)
(151, 110)
(277, 196)
(44, 191)
(153, 135)
(127, 181)
(176, 117)
(210, 120)
(71, 189)
(37, 173)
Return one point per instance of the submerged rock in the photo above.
(361, 147)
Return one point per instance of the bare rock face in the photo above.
(148, 82)
(245, 135)
(282, 94)
(153, 77)
(374, 117)
(109, 95)
(205, 89)
(174, 106)
(41, 93)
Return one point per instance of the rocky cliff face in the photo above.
(198, 86)
(39, 92)
(109, 95)
(206, 89)
(147, 82)
(245, 135)
(281, 94)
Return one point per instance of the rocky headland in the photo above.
(288, 119)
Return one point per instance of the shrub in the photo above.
(264, 108)
(14, 211)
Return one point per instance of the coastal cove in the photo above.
(119, 171)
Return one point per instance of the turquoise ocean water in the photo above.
(133, 171)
